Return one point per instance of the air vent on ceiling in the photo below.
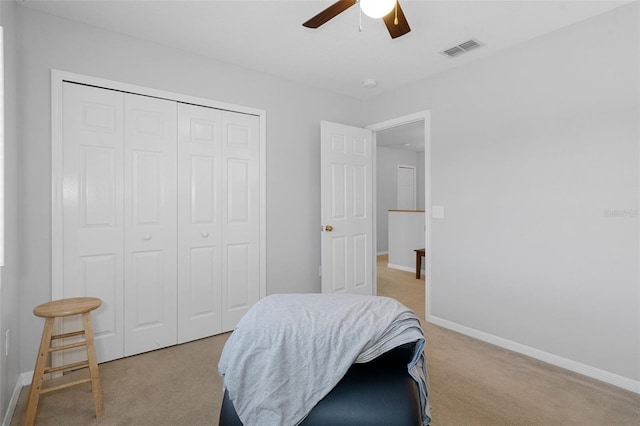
(461, 48)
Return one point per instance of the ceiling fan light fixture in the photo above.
(391, 14)
(377, 8)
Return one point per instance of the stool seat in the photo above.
(59, 309)
(66, 307)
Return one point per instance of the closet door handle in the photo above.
(146, 237)
(205, 234)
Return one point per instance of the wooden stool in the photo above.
(50, 311)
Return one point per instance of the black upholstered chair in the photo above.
(377, 393)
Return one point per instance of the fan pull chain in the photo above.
(395, 21)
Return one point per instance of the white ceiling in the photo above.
(268, 35)
(408, 137)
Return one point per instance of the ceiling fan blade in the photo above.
(329, 13)
(399, 29)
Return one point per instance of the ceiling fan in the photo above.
(389, 10)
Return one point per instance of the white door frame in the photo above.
(57, 79)
(424, 116)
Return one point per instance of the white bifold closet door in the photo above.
(93, 212)
(218, 219)
(199, 221)
(150, 224)
(161, 217)
(240, 215)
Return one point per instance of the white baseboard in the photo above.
(400, 267)
(27, 377)
(403, 268)
(558, 361)
(382, 252)
(24, 379)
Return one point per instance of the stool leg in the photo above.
(96, 388)
(38, 372)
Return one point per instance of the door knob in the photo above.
(328, 228)
(205, 234)
(147, 237)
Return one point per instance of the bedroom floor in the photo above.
(471, 383)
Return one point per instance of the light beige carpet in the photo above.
(472, 383)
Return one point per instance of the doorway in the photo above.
(405, 133)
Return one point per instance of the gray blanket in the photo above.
(290, 350)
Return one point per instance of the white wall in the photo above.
(293, 143)
(406, 235)
(534, 152)
(9, 292)
(387, 162)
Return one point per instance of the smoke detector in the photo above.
(370, 83)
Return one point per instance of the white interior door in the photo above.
(150, 223)
(240, 215)
(346, 209)
(93, 258)
(406, 188)
(199, 222)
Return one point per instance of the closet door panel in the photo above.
(199, 222)
(238, 271)
(150, 223)
(202, 297)
(146, 275)
(241, 223)
(92, 129)
(147, 187)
